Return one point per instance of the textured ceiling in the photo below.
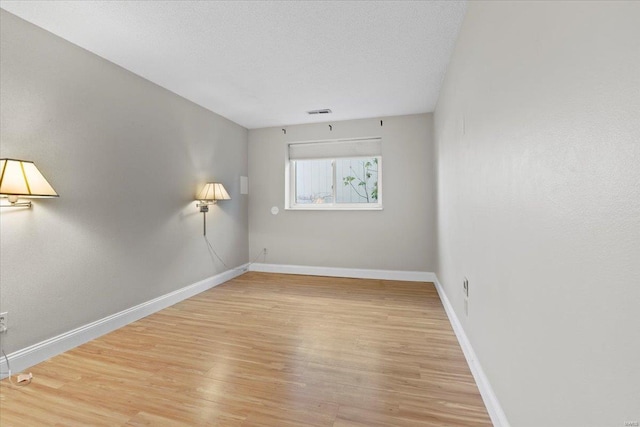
(266, 63)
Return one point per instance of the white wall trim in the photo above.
(39, 352)
(357, 273)
(498, 417)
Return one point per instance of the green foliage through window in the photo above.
(364, 180)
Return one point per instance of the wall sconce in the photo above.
(21, 178)
(209, 195)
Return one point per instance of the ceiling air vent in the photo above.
(323, 111)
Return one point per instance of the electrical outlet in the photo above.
(4, 322)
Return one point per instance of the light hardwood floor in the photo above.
(265, 350)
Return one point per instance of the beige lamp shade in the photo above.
(22, 178)
(213, 191)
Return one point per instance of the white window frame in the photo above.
(290, 185)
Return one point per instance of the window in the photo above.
(342, 174)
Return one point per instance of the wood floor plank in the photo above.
(265, 350)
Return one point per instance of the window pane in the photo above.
(313, 181)
(357, 180)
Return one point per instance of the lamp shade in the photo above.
(22, 178)
(213, 191)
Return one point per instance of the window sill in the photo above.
(319, 207)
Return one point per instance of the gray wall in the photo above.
(127, 158)
(400, 237)
(538, 140)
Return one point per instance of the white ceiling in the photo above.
(266, 63)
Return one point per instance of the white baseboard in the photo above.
(498, 417)
(357, 273)
(34, 354)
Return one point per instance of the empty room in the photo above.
(320, 213)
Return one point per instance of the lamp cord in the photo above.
(20, 384)
(213, 252)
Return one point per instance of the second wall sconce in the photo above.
(21, 178)
(209, 195)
